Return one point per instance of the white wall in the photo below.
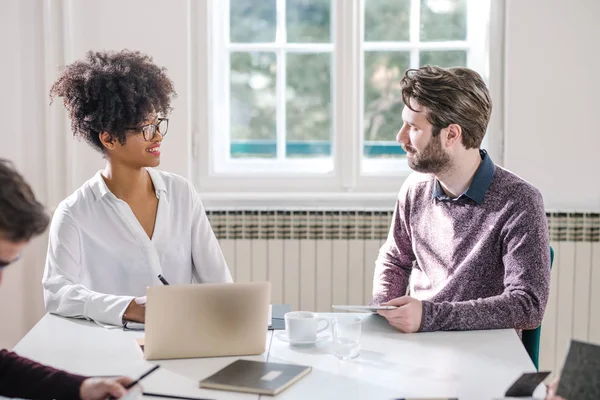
(22, 140)
(550, 103)
(37, 38)
(552, 99)
(148, 26)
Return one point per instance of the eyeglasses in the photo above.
(4, 264)
(149, 131)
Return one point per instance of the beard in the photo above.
(433, 159)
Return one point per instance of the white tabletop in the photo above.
(475, 365)
(86, 348)
(469, 365)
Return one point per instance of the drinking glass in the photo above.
(347, 331)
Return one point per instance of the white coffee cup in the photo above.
(303, 326)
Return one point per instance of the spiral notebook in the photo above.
(256, 377)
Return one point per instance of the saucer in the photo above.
(282, 335)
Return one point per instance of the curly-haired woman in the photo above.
(129, 226)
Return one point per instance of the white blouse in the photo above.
(100, 258)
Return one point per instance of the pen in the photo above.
(170, 396)
(145, 374)
(163, 280)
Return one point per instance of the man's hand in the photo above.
(136, 310)
(551, 394)
(407, 317)
(100, 389)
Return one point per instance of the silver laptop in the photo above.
(206, 320)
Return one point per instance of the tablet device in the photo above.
(364, 308)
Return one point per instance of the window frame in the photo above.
(260, 182)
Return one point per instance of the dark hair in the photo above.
(111, 91)
(21, 215)
(455, 95)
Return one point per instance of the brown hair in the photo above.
(455, 95)
(21, 215)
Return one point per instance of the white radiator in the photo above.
(573, 309)
(317, 273)
(314, 259)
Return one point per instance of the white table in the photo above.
(475, 365)
(86, 348)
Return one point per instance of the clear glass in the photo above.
(443, 20)
(252, 21)
(347, 331)
(308, 105)
(449, 58)
(253, 105)
(308, 21)
(387, 20)
(150, 130)
(383, 102)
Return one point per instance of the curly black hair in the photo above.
(111, 91)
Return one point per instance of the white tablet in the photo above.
(364, 308)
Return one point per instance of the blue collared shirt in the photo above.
(481, 182)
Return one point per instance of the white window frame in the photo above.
(353, 180)
(225, 166)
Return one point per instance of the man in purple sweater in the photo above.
(468, 247)
(21, 218)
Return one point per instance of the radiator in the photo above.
(573, 309)
(314, 259)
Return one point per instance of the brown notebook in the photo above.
(255, 377)
(141, 343)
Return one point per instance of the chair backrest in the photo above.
(531, 338)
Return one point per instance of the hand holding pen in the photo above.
(136, 310)
(131, 383)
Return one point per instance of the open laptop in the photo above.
(206, 320)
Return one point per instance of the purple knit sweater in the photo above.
(475, 265)
(27, 379)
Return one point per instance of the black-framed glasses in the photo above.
(149, 131)
(4, 264)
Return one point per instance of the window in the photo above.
(277, 66)
(305, 93)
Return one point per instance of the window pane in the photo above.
(387, 20)
(308, 98)
(383, 102)
(252, 21)
(308, 21)
(252, 105)
(443, 20)
(453, 58)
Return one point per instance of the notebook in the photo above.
(255, 377)
(140, 342)
(277, 316)
(526, 384)
(580, 377)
